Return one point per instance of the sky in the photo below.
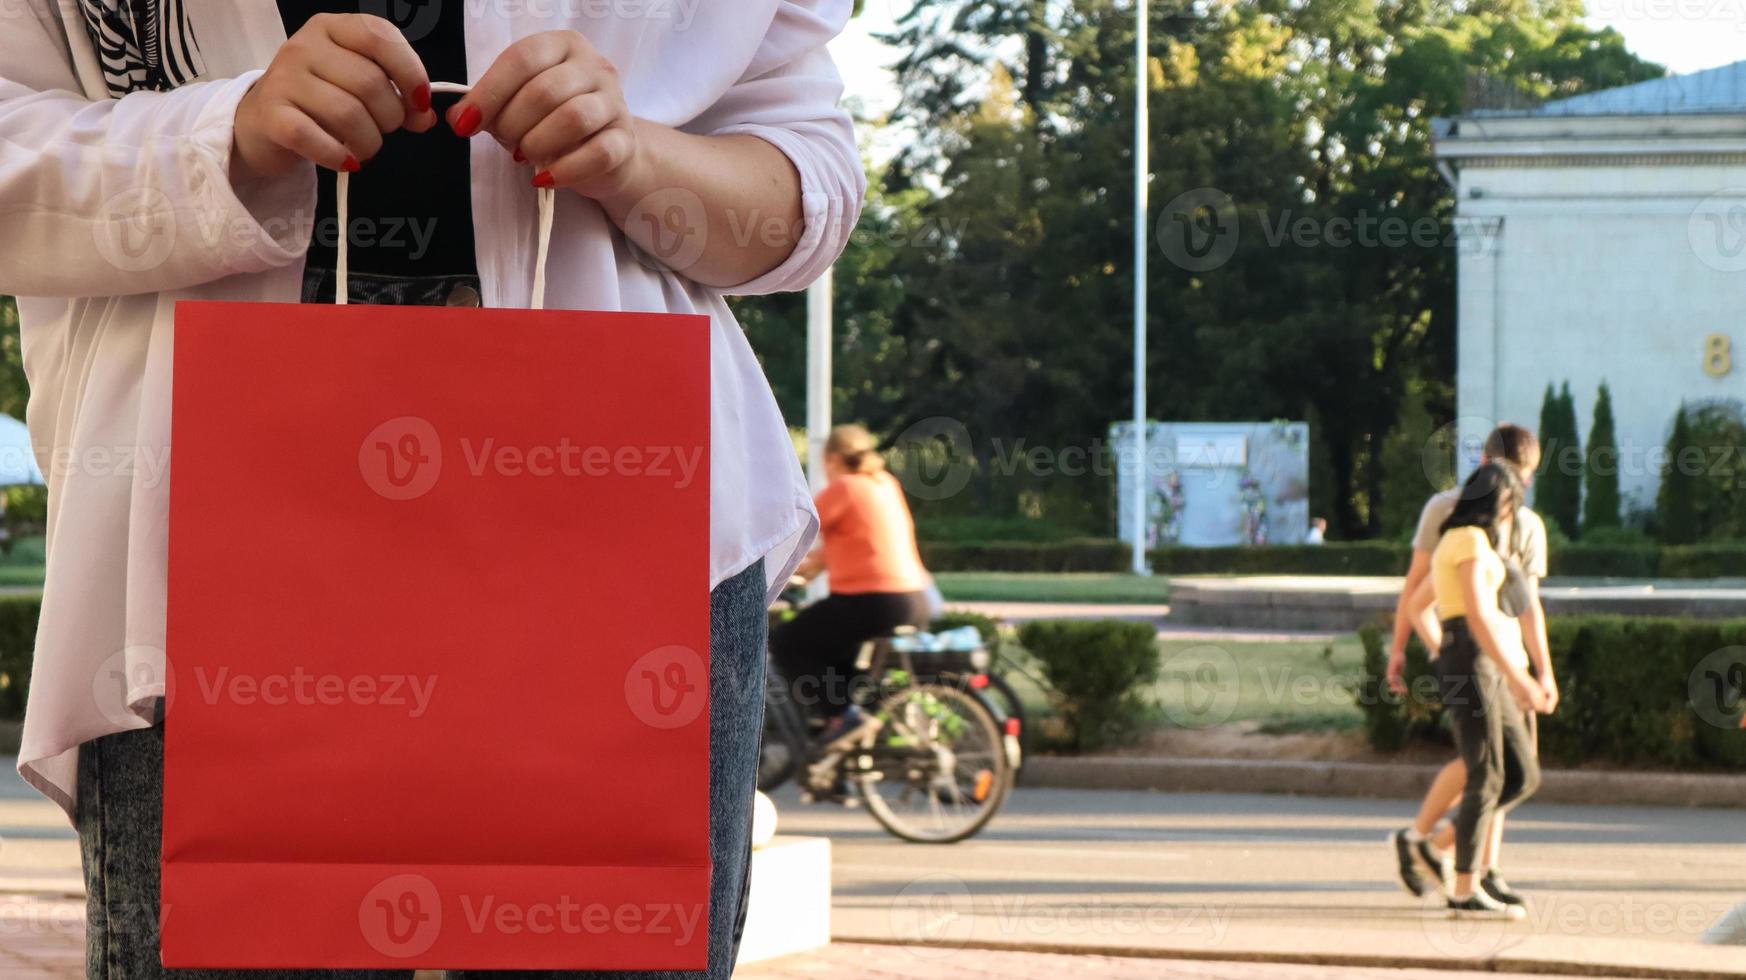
(1684, 35)
(862, 59)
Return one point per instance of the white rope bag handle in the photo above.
(342, 209)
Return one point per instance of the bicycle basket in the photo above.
(958, 650)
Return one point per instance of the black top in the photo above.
(411, 212)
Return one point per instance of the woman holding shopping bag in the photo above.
(166, 150)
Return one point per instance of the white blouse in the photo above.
(112, 210)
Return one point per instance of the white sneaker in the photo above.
(1479, 905)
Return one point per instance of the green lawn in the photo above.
(1275, 688)
(24, 566)
(1284, 686)
(1038, 587)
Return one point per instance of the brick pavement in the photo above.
(42, 938)
(906, 963)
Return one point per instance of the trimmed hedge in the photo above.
(1605, 561)
(1348, 558)
(1335, 558)
(18, 615)
(1098, 669)
(1627, 688)
(1076, 555)
(1703, 561)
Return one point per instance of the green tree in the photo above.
(1287, 116)
(1546, 492)
(1677, 498)
(14, 390)
(1570, 507)
(1563, 467)
(1600, 503)
(1558, 485)
(26, 506)
(1717, 430)
(1416, 462)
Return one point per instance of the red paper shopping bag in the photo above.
(438, 639)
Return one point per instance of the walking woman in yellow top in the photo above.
(1483, 676)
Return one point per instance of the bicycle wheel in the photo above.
(937, 770)
(783, 749)
(999, 696)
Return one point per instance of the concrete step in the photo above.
(1331, 602)
(789, 909)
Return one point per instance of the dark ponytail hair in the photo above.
(1490, 496)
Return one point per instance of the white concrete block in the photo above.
(789, 908)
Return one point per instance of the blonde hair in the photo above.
(857, 447)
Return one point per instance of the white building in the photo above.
(1603, 237)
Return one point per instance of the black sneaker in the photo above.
(1494, 885)
(1438, 865)
(1479, 905)
(1410, 878)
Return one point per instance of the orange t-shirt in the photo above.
(869, 538)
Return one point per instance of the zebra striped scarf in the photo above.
(144, 45)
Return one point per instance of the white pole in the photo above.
(818, 378)
(818, 392)
(1142, 166)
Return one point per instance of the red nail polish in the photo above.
(519, 156)
(467, 123)
(350, 166)
(421, 97)
(543, 179)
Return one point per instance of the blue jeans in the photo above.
(121, 803)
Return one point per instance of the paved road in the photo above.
(49, 948)
(1125, 873)
(902, 963)
(1211, 874)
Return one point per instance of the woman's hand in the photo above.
(330, 94)
(1550, 688)
(1529, 694)
(1396, 672)
(555, 102)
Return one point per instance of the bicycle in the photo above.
(935, 765)
(992, 660)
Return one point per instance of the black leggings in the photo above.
(1491, 733)
(816, 650)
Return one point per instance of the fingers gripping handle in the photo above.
(548, 199)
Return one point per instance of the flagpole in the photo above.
(818, 378)
(1142, 166)
(818, 390)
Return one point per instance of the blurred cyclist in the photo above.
(877, 583)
